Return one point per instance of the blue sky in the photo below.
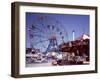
(67, 23)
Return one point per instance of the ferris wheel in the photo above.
(46, 33)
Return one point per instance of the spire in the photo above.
(73, 33)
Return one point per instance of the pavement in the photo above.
(38, 64)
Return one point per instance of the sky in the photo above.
(64, 23)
